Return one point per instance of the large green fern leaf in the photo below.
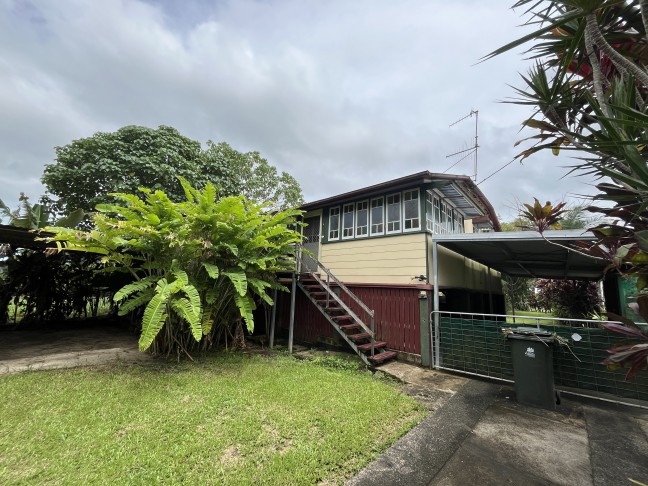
(155, 316)
(212, 270)
(239, 280)
(185, 310)
(133, 287)
(135, 301)
(258, 287)
(246, 307)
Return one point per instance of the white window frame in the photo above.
(339, 217)
(400, 214)
(355, 227)
(429, 211)
(382, 212)
(418, 211)
(344, 207)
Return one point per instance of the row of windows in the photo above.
(392, 214)
(441, 217)
(378, 216)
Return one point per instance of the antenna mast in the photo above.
(470, 150)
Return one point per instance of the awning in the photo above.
(555, 254)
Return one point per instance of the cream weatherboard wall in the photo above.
(386, 260)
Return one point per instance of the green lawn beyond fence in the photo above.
(478, 346)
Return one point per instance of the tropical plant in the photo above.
(199, 266)
(577, 299)
(589, 87)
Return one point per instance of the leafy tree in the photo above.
(199, 266)
(589, 88)
(518, 292)
(569, 298)
(252, 176)
(88, 169)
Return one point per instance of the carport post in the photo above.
(273, 320)
(435, 270)
(291, 326)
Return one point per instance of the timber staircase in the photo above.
(359, 336)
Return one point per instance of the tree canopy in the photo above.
(88, 169)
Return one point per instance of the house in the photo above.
(366, 274)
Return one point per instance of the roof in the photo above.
(461, 190)
(20, 237)
(529, 254)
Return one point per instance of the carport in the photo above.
(554, 254)
(473, 343)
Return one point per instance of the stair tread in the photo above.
(379, 358)
(375, 344)
(355, 325)
(359, 336)
(342, 317)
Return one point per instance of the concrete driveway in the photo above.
(478, 434)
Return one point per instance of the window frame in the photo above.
(382, 214)
(400, 214)
(344, 212)
(355, 226)
(418, 211)
(339, 217)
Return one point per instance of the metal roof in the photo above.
(460, 189)
(555, 254)
(20, 237)
(460, 201)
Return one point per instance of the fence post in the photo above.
(424, 327)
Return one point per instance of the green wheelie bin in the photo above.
(532, 352)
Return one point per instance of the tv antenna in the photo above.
(472, 150)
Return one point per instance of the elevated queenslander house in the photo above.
(366, 276)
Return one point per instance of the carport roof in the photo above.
(528, 254)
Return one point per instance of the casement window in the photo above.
(438, 228)
(377, 215)
(334, 223)
(411, 209)
(448, 220)
(460, 223)
(394, 213)
(347, 221)
(362, 219)
(429, 211)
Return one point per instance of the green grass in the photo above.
(230, 419)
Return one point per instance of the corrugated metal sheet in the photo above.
(396, 320)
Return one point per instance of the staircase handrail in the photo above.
(340, 284)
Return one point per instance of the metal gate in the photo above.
(311, 243)
(474, 344)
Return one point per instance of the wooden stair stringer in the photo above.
(336, 326)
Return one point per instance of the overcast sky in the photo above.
(341, 94)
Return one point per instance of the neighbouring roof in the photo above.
(530, 254)
(20, 237)
(461, 190)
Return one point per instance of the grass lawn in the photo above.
(229, 419)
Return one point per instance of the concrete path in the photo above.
(48, 347)
(478, 434)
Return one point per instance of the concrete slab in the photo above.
(618, 446)
(97, 357)
(479, 434)
(511, 446)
